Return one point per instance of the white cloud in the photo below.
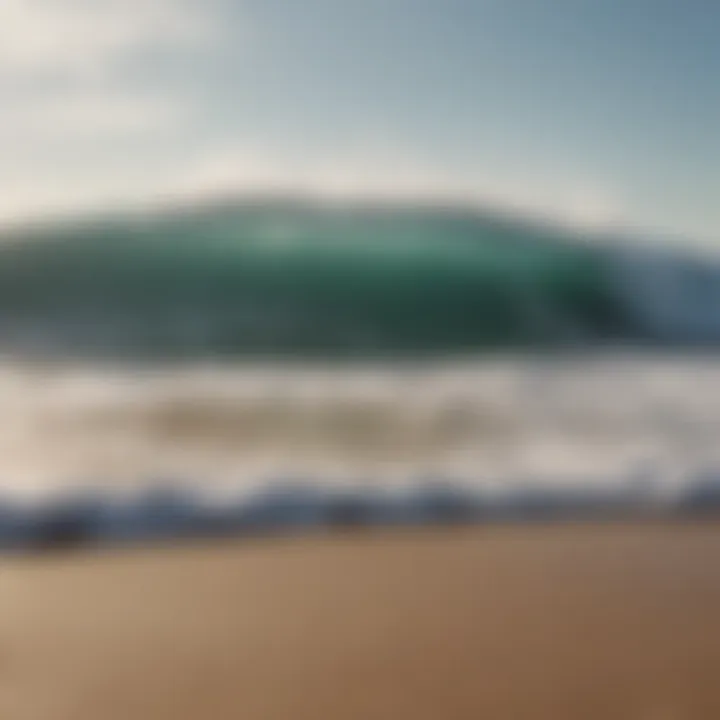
(82, 37)
(73, 83)
(58, 63)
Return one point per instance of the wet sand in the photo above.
(606, 622)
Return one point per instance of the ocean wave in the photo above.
(304, 280)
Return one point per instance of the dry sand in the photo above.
(578, 622)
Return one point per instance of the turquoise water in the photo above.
(303, 279)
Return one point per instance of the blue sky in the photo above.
(599, 112)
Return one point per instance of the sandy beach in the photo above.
(576, 621)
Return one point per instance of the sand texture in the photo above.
(569, 622)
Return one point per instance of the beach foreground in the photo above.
(576, 621)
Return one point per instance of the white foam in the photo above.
(562, 421)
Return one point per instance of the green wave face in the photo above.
(296, 280)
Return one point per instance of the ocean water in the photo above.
(243, 344)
